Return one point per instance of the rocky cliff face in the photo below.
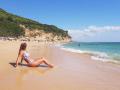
(40, 35)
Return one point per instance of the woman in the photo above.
(23, 55)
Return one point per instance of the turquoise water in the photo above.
(100, 50)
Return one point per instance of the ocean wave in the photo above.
(94, 55)
(99, 56)
(72, 50)
(105, 59)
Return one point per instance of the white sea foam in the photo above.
(94, 55)
(100, 56)
(72, 50)
(105, 59)
(101, 59)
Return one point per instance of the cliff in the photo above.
(19, 27)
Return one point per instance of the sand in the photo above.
(71, 71)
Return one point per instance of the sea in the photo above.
(104, 51)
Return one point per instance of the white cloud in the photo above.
(92, 31)
(102, 29)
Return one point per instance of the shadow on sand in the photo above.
(13, 64)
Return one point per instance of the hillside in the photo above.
(15, 26)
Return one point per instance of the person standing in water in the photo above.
(79, 44)
(24, 55)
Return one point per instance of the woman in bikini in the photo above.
(24, 55)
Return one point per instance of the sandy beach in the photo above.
(72, 71)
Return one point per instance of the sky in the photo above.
(86, 20)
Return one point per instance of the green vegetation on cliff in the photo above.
(10, 26)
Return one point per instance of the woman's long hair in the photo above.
(22, 47)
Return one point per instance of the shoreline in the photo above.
(94, 55)
(60, 45)
(72, 71)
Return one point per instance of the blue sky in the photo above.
(74, 15)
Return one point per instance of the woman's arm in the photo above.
(18, 59)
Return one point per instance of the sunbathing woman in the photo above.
(23, 55)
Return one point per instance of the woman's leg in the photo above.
(40, 61)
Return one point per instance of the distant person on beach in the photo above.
(24, 55)
(79, 44)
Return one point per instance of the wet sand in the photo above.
(72, 71)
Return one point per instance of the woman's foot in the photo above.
(51, 66)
